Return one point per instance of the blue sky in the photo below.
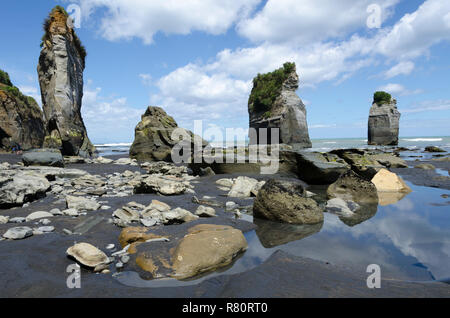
(196, 59)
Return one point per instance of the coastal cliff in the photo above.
(21, 121)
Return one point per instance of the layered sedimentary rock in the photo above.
(153, 136)
(60, 70)
(384, 123)
(21, 121)
(274, 103)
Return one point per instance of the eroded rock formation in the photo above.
(384, 122)
(153, 136)
(60, 70)
(274, 103)
(21, 121)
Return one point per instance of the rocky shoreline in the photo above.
(95, 201)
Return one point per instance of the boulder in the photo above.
(38, 215)
(434, 149)
(386, 181)
(81, 204)
(162, 185)
(177, 216)
(153, 137)
(286, 201)
(87, 255)
(18, 233)
(20, 188)
(384, 123)
(127, 215)
(242, 187)
(206, 248)
(60, 70)
(43, 157)
(204, 211)
(4, 219)
(273, 103)
(352, 187)
(317, 168)
(21, 119)
(360, 161)
(388, 160)
(425, 166)
(164, 168)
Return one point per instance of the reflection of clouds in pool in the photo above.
(410, 233)
(404, 205)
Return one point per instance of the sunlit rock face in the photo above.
(384, 124)
(21, 121)
(274, 103)
(60, 71)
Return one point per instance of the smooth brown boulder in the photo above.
(207, 247)
(87, 255)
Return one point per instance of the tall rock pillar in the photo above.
(60, 70)
(274, 103)
(384, 121)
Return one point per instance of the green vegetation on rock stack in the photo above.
(267, 87)
(4, 78)
(381, 98)
(7, 86)
(46, 37)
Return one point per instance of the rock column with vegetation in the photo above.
(21, 121)
(60, 70)
(384, 120)
(274, 103)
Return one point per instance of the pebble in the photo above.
(46, 229)
(125, 259)
(148, 222)
(231, 205)
(105, 207)
(4, 219)
(18, 233)
(68, 232)
(17, 220)
(56, 212)
(45, 221)
(119, 265)
(110, 246)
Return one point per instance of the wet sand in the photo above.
(36, 266)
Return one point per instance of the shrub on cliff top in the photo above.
(4, 78)
(381, 98)
(77, 42)
(267, 87)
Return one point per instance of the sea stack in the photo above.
(273, 103)
(384, 121)
(21, 122)
(60, 70)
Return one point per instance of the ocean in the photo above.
(321, 145)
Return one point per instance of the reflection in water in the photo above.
(410, 240)
(273, 234)
(388, 198)
(366, 212)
